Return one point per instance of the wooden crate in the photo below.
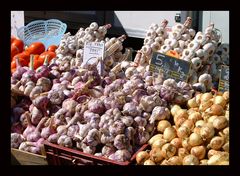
(59, 155)
(26, 158)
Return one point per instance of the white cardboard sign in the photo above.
(92, 52)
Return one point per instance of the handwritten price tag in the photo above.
(94, 51)
(171, 67)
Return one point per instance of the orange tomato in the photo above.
(50, 55)
(52, 48)
(19, 44)
(37, 62)
(23, 56)
(36, 48)
(14, 51)
(12, 39)
(21, 61)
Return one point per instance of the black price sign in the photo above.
(171, 67)
(224, 79)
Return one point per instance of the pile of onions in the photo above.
(199, 135)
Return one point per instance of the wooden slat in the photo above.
(26, 158)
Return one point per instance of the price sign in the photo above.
(171, 67)
(224, 79)
(92, 52)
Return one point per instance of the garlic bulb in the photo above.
(159, 113)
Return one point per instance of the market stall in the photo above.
(86, 100)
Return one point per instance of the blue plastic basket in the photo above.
(49, 32)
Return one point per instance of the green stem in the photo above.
(46, 60)
(18, 62)
(31, 62)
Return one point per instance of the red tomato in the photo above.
(52, 48)
(50, 55)
(24, 56)
(12, 39)
(14, 51)
(36, 48)
(19, 44)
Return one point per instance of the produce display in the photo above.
(57, 97)
(197, 135)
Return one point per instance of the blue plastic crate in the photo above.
(49, 32)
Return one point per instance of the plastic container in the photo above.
(49, 32)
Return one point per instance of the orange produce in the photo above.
(18, 44)
(52, 48)
(36, 48)
(14, 51)
(173, 53)
(23, 55)
(50, 55)
(22, 62)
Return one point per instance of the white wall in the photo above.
(17, 21)
(139, 21)
(220, 20)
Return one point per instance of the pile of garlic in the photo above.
(202, 49)
(198, 135)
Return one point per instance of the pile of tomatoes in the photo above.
(37, 49)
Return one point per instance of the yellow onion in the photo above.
(212, 152)
(174, 109)
(185, 144)
(179, 121)
(226, 147)
(195, 139)
(205, 105)
(216, 142)
(192, 110)
(159, 143)
(206, 97)
(190, 160)
(216, 109)
(164, 162)
(168, 150)
(156, 155)
(182, 113)
(197, 129)
(200, 123)
(177, 142)
(195, 116)
(226, 95)
(219, 100)
(175, 160)
(183, 132)
(141, 157)
(198, 98)
(211, 119)
(149, 162)
(207, 131)
(188, 123)
(169, 133)
(203, 162)
(192, 103)
(162, 125)
(199, 152)
(154, 138)
(227, 114)
(220, 122)
(182, 152)
(218, 158)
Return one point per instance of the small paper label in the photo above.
(224, 79)
(94, 51)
